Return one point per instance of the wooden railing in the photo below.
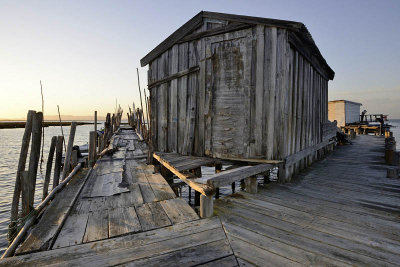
(329, 130)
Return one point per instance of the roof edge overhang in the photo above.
(298, 28)
(345, 101)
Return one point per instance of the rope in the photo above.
(16, 226)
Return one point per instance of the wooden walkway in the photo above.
(121, 195)
(342, 211)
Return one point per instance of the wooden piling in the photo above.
(392, 173)
(218, 169)
(68, 153)
(21, 167)
(206, 206)
(26, 188)
(251, 184)
(197, 173)
(95, 127)
(35, 153)
(390, 148)
(74, 158)
(49, 166)
(92, 148)
(58, 160)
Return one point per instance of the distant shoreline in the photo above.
(21, 124)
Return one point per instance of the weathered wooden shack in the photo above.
(231, 86)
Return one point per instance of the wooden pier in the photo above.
(341, 211)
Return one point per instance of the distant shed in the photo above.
(232, 86)
(344, 112)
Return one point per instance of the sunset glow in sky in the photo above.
(86, 52)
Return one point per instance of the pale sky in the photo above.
(86, 52)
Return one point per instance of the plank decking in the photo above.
(342, 211)
(121, 195)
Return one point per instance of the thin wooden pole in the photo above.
(49, 166)
(147, 110)
(21, 167)
(34, 154)
(95, 126)
(62, 132)
(140, 91)
(41, 158)
(68, 152)
(92, 148)
(57, 164)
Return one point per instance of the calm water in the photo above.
(10, 145)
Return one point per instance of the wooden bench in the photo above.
(207, 186)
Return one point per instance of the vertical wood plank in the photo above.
(271, 89)
(21, 167)
(208, 99)
(192, 103)
(173, 100)
(153, 100)
(49, 165)
(58, 160)
(162, 96)
(35, 153)
(68, 153)
(182, 95)
(259, 92)
(299, 141)
(201, 100)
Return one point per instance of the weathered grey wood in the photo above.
(21, 167)
(49, 165)
(105, 246)
(92, 147)
(206, 206)
(192, 89)
(251, 184)
(152, 216)
(228, 177)
(72, 231)
(184, 177)
(68, 153)
(47, 229)
(178, 210)
(74, 158)
(259, 90)
(305, 152)
(182, 94)
(200, 129)
(161, 188)
(280, 249)
(37, 121)
(209, 252)
(272, 35)
(122, 221)
(339, 249)
(26, 189)
(173, 101)
(225, 261)
(97, 226)
(174, 76)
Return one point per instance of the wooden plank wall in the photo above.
(288, 100)
(178, 121)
